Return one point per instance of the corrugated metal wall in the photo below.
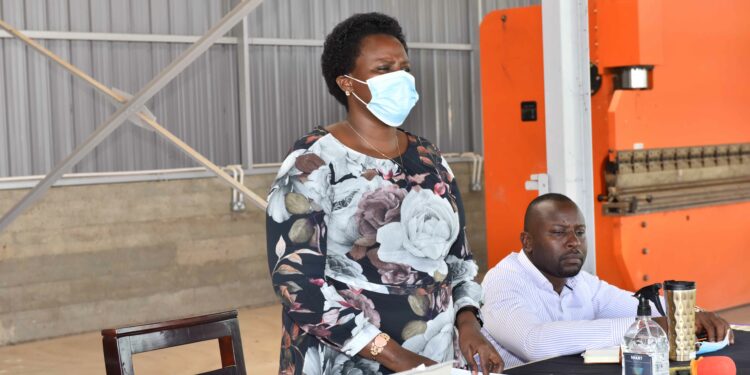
(45, 113)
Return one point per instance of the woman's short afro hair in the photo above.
(341, 48)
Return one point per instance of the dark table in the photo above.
(573, 364)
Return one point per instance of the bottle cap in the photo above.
(679, 285)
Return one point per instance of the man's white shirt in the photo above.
(523, 313)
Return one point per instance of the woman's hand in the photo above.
(407, 360)
(471, 342)
(396, 358)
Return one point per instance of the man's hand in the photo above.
(471, 342)
(714, 326)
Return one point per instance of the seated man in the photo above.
(538, 303)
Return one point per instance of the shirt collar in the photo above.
(539, 279)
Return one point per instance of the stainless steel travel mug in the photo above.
(680, 299)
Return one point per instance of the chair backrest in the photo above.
(120, 344)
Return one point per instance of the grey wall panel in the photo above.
(441, 116)
(62, 122)
(122, 78)
(161, 55)
(39, 95)
(49, 110)
(142, 71)
(445, 113)
(289, 98)
(437, 21)
(208, 10)
(102, 71)
(83, 95)
(200, 106)
(45, 112)
(490, 5)
(4, 146)
(17, 94)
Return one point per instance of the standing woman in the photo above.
(365, 227)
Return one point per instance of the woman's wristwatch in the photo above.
(378, 343)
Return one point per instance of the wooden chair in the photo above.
(121, 343)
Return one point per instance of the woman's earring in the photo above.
(348, 93)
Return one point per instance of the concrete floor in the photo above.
(82, 354)
(261, 327)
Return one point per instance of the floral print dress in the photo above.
(359, 245)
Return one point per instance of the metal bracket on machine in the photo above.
(538, 182)
(652, 180)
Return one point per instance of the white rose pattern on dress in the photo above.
(327, 361)
(436, 342)
(426, 232)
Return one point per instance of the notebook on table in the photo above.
(445, 368)
(610, 354)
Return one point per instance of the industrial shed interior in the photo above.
(139, 140)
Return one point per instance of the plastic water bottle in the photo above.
(645, 347)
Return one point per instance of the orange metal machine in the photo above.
(671, 158)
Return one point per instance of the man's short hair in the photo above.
(555, 197)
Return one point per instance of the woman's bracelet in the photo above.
(379, 343)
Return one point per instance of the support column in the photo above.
(567, 95)
(243, 67)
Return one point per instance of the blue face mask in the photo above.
(709, 347)
(393, 96)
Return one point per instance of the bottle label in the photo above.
(637, 364)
